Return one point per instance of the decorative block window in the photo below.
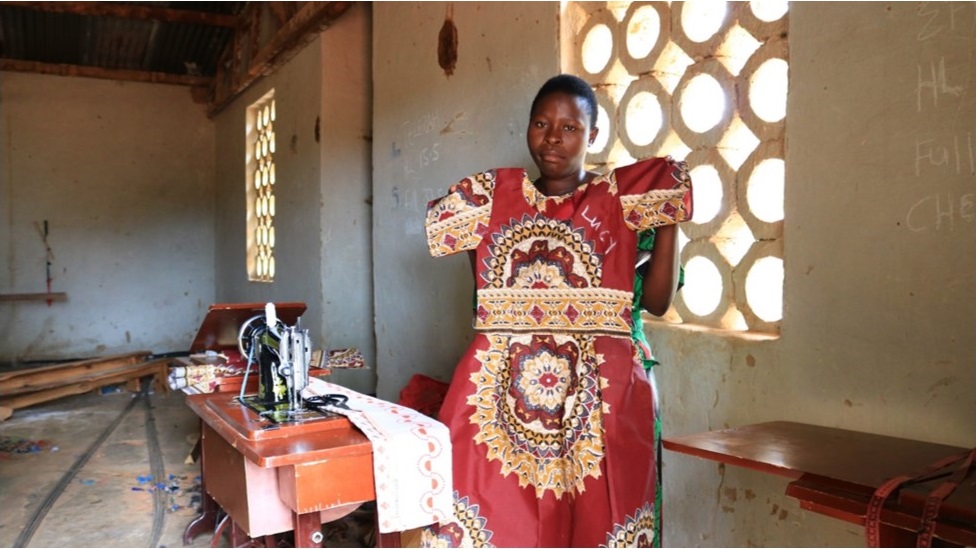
(705, 82)
(260, 194)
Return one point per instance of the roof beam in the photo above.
(244, 61)
(109, 74)
(128, 11)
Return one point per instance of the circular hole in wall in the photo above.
(703, 286)
(707, 193)
(764, 288)
(702, 18)
(703, 103)
(643, 118)
(768, 10)
(603, 131)
(597, 48)
(765, 190)
(768, 90)
(643, 31)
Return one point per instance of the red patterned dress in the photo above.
(550, 410)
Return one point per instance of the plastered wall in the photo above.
(878, 328)
(322, 219)
(347, 193)
(123, 174)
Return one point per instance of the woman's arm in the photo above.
(661, 280)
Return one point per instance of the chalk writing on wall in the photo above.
(953, 155)
(421, 150)
(940, 211)
(942, 94)
(938, 18)
(414, 199)
(932, 83)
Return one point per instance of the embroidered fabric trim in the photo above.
(460, 232)
(578, 310)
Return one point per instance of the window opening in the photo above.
(260, 170)
(706, 82)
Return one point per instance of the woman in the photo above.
(550, 411)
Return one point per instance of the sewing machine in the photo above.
(281, 355)
(271, 460)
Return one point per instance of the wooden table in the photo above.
(272, 478)
(836, 471)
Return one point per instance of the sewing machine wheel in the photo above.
(251, 327)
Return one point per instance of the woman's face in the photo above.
(559, 134)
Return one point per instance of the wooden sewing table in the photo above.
(836, 471)
(272, 478)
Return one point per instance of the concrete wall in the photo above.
(347, 191)
(123, 173)
(322, 219)
(432, 129)
(878, 329)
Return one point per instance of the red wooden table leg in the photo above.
(391, 539)
(308, 529)
(206, 521)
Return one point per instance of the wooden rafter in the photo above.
(128, 11)
(247, 59)
(99, 72)
(266, 35)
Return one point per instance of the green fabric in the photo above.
(646, 242)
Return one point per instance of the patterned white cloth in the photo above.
(411, 458)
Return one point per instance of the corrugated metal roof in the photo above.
(137, 36)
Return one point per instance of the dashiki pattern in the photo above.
(551, 415)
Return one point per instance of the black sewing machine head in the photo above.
(281, 356)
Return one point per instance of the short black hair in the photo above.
(570, 85)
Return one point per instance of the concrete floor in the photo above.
(68, 478)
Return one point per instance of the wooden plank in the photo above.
(129, 11)
(300, 29)
(41, 296)
(88, 365)
(58, 69)
(280, 11)
(297, 32)
(792, 449)
(157, 368)
(81, 376)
